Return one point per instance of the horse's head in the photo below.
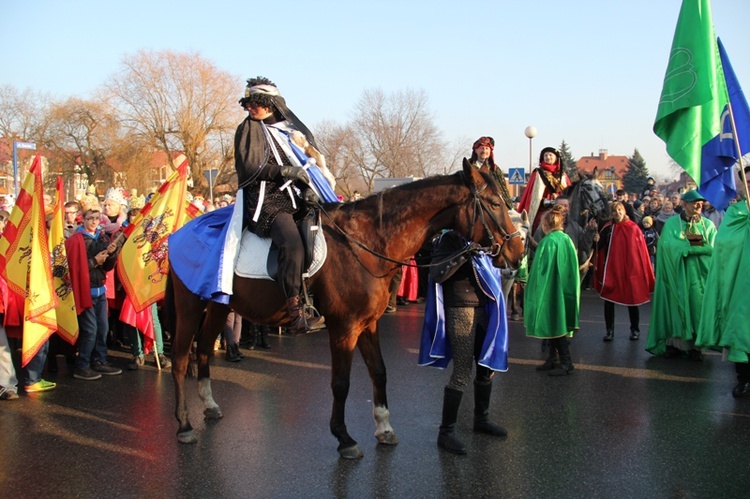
(487, 221)
(588, 200)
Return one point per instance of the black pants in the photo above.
(609, 316)
(743, 371)
(286, 236)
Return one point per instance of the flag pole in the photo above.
(743, 177)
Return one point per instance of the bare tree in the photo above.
(338, 145)
(395, 136)
(22, 114)
(179, 102)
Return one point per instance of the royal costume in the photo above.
(726, 309)
(553, 292)
(682, 261)
(545, 183)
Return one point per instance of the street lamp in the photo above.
(19, 145)
(530, 132)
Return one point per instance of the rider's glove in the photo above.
(295, 173)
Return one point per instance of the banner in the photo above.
(25, 263)
(67, 320)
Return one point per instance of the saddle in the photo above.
(259, 257)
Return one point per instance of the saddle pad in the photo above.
(251, 262)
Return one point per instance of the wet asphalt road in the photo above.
(625, 424)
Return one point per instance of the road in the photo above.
(624, 424)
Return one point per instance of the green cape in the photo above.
(725, 316)
(553, 293)
(681, 271)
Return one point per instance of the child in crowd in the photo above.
(652, 237)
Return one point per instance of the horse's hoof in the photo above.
(213, 413)
(186, 437)
(352, 452)
(387, 438)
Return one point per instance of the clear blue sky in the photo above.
(587, 71)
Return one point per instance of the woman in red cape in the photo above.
(545, 183)
(623, 270)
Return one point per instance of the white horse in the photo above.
(523, 225)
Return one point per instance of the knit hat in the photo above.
(647, 221)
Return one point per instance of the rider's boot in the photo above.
(301, 321)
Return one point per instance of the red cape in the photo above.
(78, 261)
(623, 270)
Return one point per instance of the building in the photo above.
(609, 169)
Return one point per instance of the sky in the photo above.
(589, 72)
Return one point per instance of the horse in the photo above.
(588, 200)
(523, 226)
(368, 240)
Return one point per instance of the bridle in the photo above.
(480, 208)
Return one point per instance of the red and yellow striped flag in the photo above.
(143, 264)
(25, 263)
(67, 320)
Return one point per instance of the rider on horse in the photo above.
(266, 171)
(545, 184)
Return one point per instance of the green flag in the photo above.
(694, 95)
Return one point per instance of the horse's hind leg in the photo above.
(216, 316)
(369, 347)
(342, 350)
(184, 325)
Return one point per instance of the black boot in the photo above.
(233, 353)
(262, 339)
(552, 361)
(482, 423)
(610, 335)
(566, 364)
(446, 440)
(301, 321)
(634, 334)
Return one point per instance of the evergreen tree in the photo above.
(568, 162)
(637, 175)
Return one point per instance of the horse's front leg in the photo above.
(369, 347)
(342, 350)
(180, 359)
(216, 316)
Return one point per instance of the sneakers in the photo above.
(7, 394)
(40, 386)
(136, 363)
(86, 374)
(105, 369)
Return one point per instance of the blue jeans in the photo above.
(32, 373)
(93, 327)
(7, 371)
(136, 347)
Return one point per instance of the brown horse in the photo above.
(364, 239)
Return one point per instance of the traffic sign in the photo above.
(516, 176)
(211, 175)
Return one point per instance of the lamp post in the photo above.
(530, 132)
(19, 145)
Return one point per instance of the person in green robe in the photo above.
(726, 308)
(553, 292)
(682, 261)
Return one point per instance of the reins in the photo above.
(480, 207)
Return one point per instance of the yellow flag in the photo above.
(25, 262)
(67, 320)
(143, 262)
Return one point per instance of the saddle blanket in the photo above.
(254, 250)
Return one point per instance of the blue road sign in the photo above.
(516, 176)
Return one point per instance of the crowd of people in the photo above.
(656, 246)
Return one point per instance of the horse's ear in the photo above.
(471, 174)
